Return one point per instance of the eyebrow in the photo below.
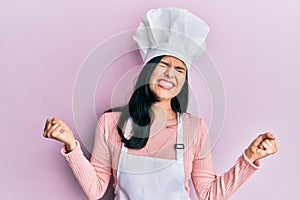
(165, 63)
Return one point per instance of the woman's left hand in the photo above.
(264, 145)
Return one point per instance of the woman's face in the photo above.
(167, 78)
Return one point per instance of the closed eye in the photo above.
(163, 64)
(180, 69)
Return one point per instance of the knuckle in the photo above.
(54, 134)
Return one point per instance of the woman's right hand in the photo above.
(59, 130)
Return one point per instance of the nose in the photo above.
(169, 72)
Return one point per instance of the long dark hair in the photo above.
(139, 107)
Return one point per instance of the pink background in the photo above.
(255, 45)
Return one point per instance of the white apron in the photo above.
(150, 178)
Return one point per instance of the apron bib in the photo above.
(150, 178)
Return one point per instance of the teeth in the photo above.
(166, 84)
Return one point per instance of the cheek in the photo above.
(151, 87)
(179, 88)
(181, 80)
(152, 82)
(153, 76)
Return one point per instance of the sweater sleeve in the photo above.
(210, 186)
(94, 175)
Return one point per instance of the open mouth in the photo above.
(165, 84)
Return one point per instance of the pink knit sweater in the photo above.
(94, 175)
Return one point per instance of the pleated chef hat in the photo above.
(171, 31)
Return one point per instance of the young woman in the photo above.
(152, 147)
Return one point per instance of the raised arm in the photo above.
(93, 175)
(210, 186)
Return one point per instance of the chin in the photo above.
(165, 96)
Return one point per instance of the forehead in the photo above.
(173, 60)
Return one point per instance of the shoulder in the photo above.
(188, 116)
(109, 118)
(107, 122)
(194, 126)
(195, 131)
(107, 126)
(193, 121)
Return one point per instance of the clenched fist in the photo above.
(261, 147)
(59, 130)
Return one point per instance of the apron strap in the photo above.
(124, 149)
(128, 128)
(179, 146)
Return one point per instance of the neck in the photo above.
(162, 111)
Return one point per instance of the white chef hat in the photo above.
(171, 31)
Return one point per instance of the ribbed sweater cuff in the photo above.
(73, 155)
(250, 163)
